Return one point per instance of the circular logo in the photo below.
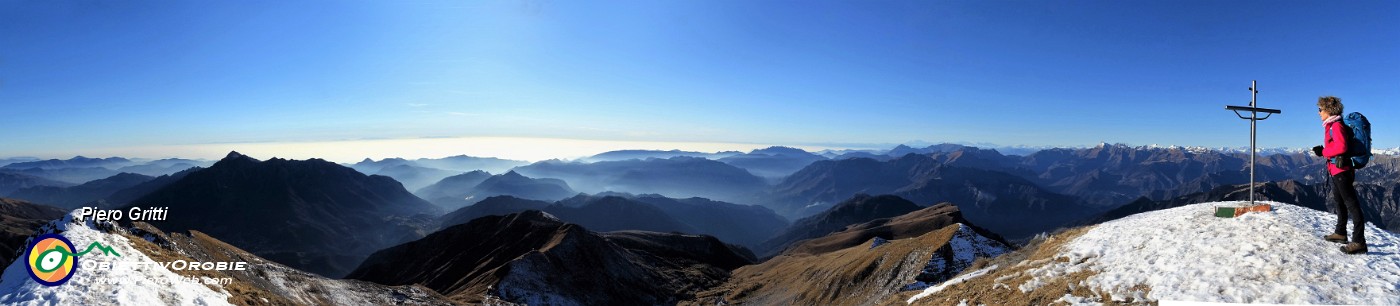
(50, 259)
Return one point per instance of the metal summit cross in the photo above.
(1254, 111)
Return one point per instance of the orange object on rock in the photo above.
(1231, 212)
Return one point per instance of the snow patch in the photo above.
(954, 281)
(877, 242)
(1074, 300)
(957, 255)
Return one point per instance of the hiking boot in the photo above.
(1354, 248)
(1338, 238)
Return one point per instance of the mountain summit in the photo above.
(325, 217)
(1187, 254)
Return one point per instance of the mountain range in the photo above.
(78, 170)
(419, 173)
(1007, 204)
(459, 163)
(66, 175)
(414, 177)
(662, 227)
(772, 162)
(75, 196)
(9, 182)
(621, 155)
(858, 209)
(75, 162)
(740, 224)
(164, 166)
(456, 186)
(125, 197)
(677, 177)
(468, 188)
(1380, 203)
(534, 258)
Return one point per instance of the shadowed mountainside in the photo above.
(18, 219)
(534, 258)
(327, 217)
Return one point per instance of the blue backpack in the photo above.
(1359, 142)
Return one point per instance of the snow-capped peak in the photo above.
(1390, 151)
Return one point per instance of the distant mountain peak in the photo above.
(130, 175)
(535, 215)
(779, 150)
(345, 214)
(234, 157)
(512, 176)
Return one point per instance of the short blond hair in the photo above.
(1330, 104)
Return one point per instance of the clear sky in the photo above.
(193, 78)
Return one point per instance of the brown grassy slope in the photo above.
(858, 275)
(909, 225)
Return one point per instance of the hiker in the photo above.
(1343, 174)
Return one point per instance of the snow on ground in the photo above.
(125, 283)
(308, 289)
(963, 248)
(133, 283)
(1188, 254)
(956, 280)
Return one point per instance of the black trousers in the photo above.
(1344, 190)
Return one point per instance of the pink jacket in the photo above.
(1334, 144)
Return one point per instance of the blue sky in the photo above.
(162, 77)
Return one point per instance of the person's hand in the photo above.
(1317, 150)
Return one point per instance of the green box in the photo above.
(1225, 212)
